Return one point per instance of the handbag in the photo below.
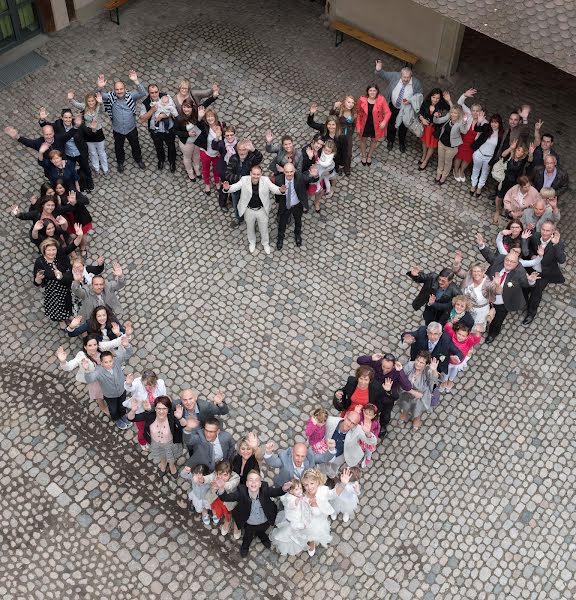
(415, 125)
(341, 404)
(499, 170)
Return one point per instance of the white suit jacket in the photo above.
(266, 188)
(353, 453)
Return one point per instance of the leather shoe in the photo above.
(528, 319)
(120, 167)
(160, 165)
(298, 241)
(267, 543)
(172, 167)
(141, 165)
(279, 244)
(390, 145)
(489, 339)
(243, 552)
(402, 148)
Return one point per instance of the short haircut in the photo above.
(425, 355)
(212, 421)
(106, 353)
(164, 401)
(364, 370)
(448, 273)
(286, 138)
(523, 180)
(434, 326)
(547, 193)
(223, 466)
(548, 135)
(255, 167)
(54, 153)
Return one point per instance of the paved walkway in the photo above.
(479, 504)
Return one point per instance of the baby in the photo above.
(166, 108)
(326, 166)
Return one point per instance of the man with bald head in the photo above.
(510, 278)
(344, 436)
(292, 462)
(533, 216)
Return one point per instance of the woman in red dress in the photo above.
(464, 155)
(434, 105)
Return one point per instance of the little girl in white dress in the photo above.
(347, 502)
(326, 167)
(288, 536)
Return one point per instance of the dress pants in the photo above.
(391, 131)
(498, 320)
(251, 216)
(533, 295)
(386, 409)
(446, 156)
(284, 215)
(159, 139)
(84, 165)
(115, 406)
(250, 531)
(132, 137)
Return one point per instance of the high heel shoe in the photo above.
(472, 191)
(422, 167)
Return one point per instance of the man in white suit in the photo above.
(346, 433)
(254, 204)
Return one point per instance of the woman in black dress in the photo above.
(52, 273)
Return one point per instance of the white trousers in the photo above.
(481, 169)
(98, 158)
(453, 370)
(260, 216)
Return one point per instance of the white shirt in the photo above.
(488, 147)
(408, 91)
(211, 138)
(218, 453)
(499, 298)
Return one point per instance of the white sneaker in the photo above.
(252, 248)
(334, 516)
(345, 517)
(267, 249)
(145, 447)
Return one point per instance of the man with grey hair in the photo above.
(432, 339)
(401, 86)
(534, 216)
(550, 175)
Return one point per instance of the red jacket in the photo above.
(380, 113)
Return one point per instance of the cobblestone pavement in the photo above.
(478, 504)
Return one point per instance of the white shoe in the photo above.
(312, 552)
(237, 534)
(334, 516)
(252, 248)
(267, 249)
(145, 447)
(462, 179)
(345, 517)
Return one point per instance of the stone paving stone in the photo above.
(478, 504)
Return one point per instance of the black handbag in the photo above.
(341, 404)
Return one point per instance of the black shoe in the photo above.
(382, 434)
(298, 239)
(160, 165)
(489, 339)
(141, 165)
(279, 244)
(172, 167)
(528, 319)
(244, 552)
(120, 167)
(267, 543)
(390, 145)
(234, 223)
(402, 148)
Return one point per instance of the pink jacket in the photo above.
(315, 433)
(381, 112)
(467, 344)
(511, 200)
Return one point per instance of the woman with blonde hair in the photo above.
(454, 126)
(318, 496)
(210, 131)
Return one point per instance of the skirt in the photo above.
(168, 452)
(287, 539)
(95, 391)
(428, 138)
(346, 505)
(413, 406)
(57, 300)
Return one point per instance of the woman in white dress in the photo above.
(289, 535)
(318, 497)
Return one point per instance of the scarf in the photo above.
(230, 149)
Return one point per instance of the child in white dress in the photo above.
(326, 167)
(288, 536)
(166, 108)
(347, 502)
(198, 490)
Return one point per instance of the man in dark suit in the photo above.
(255, 510)
(76, 148)
(550, 175)
(546, 243)
(199, 409)
(294, 202)
(433, 340)
(436, 294)
(510, 278)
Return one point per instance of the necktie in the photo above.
(400, 96)
(289, 196)
(150, 392)
(503, 277)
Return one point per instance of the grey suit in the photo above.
(283, 460)
(90, 300)
(202, 451)
(392, 78)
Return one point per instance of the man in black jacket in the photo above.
(76, 148)
(294, 202)
(255, 511)
(239, 166)
(432, 339)
(436, 294)
(548, 243)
